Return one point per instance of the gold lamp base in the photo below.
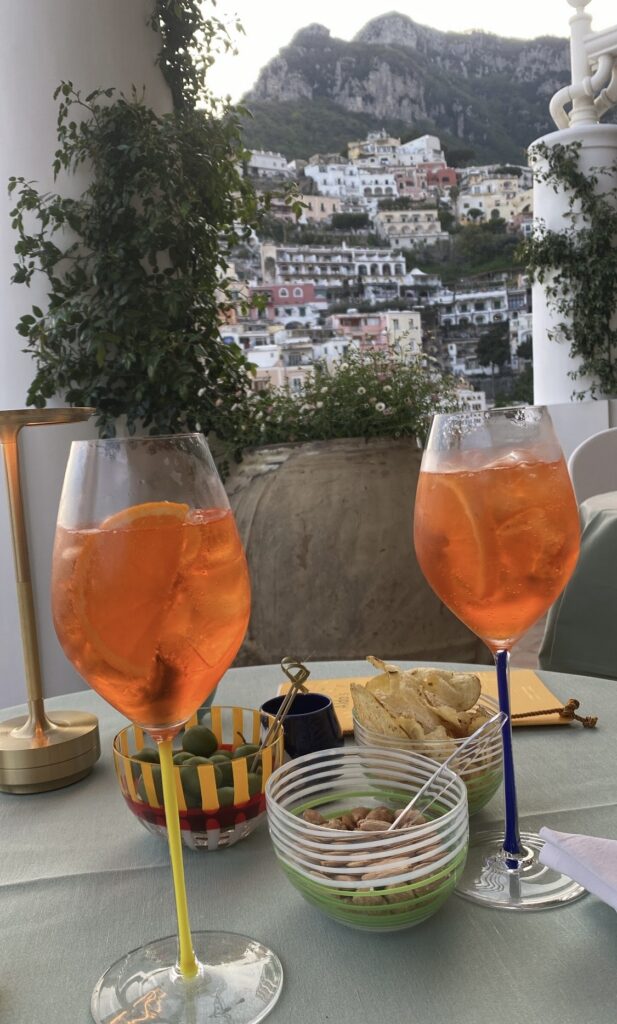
(56, 757)
(38, 752)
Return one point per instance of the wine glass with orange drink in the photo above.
(151, 600)
(496, 533)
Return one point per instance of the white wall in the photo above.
(93, 43)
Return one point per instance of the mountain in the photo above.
(486, 96)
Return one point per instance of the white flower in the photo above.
(361, 391)
(324, 391)
(259, 415)
(387, 387)
(319, 405)
(380, 407)
(235, 406)
(344, 366)
(372, 400)
(218, 403)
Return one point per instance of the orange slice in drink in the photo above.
(124, 579)
(465, 532)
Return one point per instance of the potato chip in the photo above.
(372, 713)
(420, 702)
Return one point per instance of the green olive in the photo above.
(254, 783)
(158, 786)
(182, 757)
(226, 796)
(224, 767)
(147, 754)
(190, 785)
(199, 740)
(245, 750)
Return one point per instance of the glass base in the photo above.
(239, 982)
(494, 882)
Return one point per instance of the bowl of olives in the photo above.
(220, 776)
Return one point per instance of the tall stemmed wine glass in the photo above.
(151, 601)
(496, 533)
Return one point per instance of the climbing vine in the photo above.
(577, 265)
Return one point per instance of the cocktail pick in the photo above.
(499, 718)
(297, 680)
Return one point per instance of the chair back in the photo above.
(593, 465)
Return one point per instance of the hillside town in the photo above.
(356, 259)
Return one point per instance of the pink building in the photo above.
(293, 301)
(411, 182)
(369, 329)
(438, 175)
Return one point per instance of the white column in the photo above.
(551, 359)
(94, 44)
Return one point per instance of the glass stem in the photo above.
(512, 839)
(187, 962)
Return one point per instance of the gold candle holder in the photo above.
(38, 752)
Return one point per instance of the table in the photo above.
(82, 882)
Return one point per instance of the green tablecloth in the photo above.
(581, 629)
(81, 883)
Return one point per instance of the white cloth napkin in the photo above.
(589, 860)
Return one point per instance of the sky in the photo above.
(270, 24)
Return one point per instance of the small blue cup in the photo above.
(310, 725)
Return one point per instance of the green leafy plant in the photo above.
(577, 265)
(371, 393)
(137, 265)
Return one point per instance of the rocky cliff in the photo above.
(481, 93)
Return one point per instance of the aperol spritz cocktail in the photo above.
(496, 533)
(151, 607)
(497, 541)
(151, 600)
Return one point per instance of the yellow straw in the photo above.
(187, 962)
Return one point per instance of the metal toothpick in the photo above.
(297, 680)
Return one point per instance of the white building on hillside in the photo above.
(328, 265)
(353, 185)
(479, 307)
(424, 150)
(264, 164)
(408, 228)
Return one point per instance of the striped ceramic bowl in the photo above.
(376, 881)
(212, 815)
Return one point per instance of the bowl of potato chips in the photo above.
(431, 711)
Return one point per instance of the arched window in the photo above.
(362, 271)
(298, 293)
(386, 269)
(283, 293)
(374, 270)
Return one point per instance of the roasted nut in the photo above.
(385, 868)
(348, 822)
(380, 814)
(411, 817)
(372, 825)
(358, 813)
(368, 899)
(313, 817)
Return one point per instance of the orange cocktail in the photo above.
(151, 607)
(497, 540)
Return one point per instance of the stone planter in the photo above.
(327, 527)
